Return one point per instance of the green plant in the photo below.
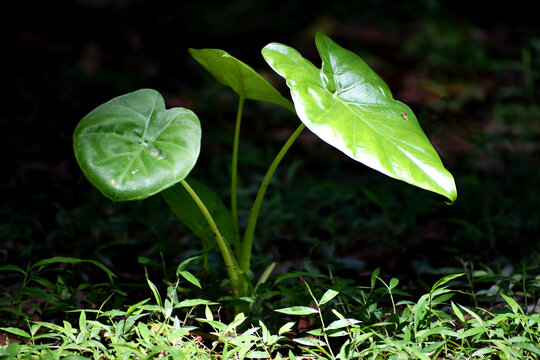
(36, 293)
(131, 147)
(334, 319)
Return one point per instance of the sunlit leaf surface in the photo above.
(348, 106)
(132, 147)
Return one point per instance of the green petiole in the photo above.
(234, 164)
(247, 244)
(237, 280)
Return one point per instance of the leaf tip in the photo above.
(452, 201)
(320, 36)
(452, 195)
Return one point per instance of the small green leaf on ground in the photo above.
(298, 310)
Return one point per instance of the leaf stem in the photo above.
(238, 285)
(247, 244)
(234, 164)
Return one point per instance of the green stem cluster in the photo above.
(339, 122)
(238, 261)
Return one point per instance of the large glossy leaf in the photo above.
(245, 81)
(348, 106)
(187, 211)
(132, 147)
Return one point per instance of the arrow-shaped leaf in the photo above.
(245, 81)
(348, 106)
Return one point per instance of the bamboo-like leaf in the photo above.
(458, 312)
(62, 259)
(11, 268)
(298, 310)
(513, 304)
(286, 328)
(16, 331)
(153, 288)
(445, 279)
(191, 278)
(328, 295)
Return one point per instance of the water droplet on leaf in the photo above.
(158, 153)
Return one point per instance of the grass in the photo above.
(300, 315)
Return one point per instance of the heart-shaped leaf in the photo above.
(245, 81)
(131, 147)
(348, 106)
(187, 211)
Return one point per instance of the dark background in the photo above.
(470, 74)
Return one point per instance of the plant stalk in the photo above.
(234, 164)
(247, 244)
(238, 282)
